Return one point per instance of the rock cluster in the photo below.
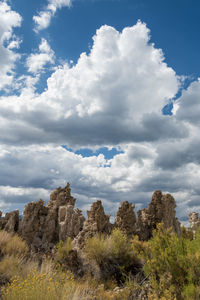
(161, 209)
(11, 221)
(97, 222)
(43, 226)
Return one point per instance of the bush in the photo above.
(113, 254)
(172, 264)
(63, 250)
(38, 286)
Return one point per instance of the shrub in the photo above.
(96, 248)
(116, 246)
(63, 249)
(172, 264)
(113, 254)
(15, 246)
(38, 286)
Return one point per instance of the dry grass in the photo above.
(15, 246)
(11, 266)
(58, 286)
(5, 237)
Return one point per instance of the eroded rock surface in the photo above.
(11, 221)
(161, 209)
(43, 226)
(70, 222)
(194, 220)
(61, 197)
(125, 218)
(97, 222)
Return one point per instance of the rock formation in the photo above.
(11, 221)
(194, 221)
(161, 209)
(70, 222)
(97, 222)
(43, 226)
(125, 218)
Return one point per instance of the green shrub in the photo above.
(172, 264)
(63, 250)
(113, 254)
(115, 246)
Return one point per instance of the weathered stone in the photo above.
(42, 226)
(125, 218)
(11, 221)
(70, 222)
(161, 209)
(97, 222)
(194, 220)
(33, 223)
(61, 197)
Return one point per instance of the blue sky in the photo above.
(103, 94)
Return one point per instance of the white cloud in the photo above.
(43, 19)
(8, 20)
(36, 62)
(113, 95)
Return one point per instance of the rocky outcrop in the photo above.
(11, 221)
(34, 226)
(61, 197)
(70, 222)
(43, 226)
(125, 218)
(194, 221)
(161, 209)
(97, 222)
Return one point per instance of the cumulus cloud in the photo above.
(113, 95)
(36, 61)
(43, 19)
(9, 19)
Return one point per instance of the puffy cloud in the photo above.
(36, 62)
(8, 20)
(113, 95)
(43, 19)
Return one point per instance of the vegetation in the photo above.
(168, 268)
(171, 263)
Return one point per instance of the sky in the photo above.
(104, 94)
